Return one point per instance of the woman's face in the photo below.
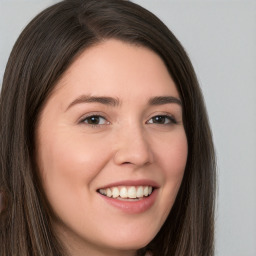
(111, 149)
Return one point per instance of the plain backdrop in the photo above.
(220, 38)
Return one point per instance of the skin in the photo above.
(76, 158)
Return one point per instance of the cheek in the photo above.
(70, 155)
(68, 165)
(172, 157)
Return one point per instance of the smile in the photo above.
(127, 192)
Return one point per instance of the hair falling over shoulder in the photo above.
(42, 53)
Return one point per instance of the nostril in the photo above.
(132, 155)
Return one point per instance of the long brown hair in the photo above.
(42, 53)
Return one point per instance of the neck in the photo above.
(99, 251)
(76, 246)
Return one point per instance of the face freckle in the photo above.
(111, 149)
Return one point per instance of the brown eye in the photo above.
(162, 119)
(94, 120)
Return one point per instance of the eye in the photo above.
(162, 119)
(94, 120)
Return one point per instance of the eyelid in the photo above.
(93, 114)
(172, 119)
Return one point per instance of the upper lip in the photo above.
(143, 182)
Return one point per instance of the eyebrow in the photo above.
(94, 99)
(114, 102)
(161, 100)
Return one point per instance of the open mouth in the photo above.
(129, 193)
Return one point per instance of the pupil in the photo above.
(159, 119)
(93, 120)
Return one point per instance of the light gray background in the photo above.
(220, 37)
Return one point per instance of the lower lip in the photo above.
(133, 207)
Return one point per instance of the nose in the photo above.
(133, 148)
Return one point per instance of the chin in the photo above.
(131, 243)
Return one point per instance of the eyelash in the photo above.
(171, 119)
(83, 121)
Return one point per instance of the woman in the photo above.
(105, 142)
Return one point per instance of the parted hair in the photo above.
(45, 49)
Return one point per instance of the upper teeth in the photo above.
(127, 191)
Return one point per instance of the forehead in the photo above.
(117, 68)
